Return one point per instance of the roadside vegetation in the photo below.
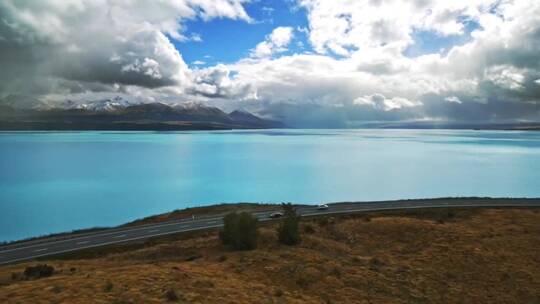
(288, 230)
(240, 231)
(480, 255)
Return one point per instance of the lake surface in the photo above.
(58, 181)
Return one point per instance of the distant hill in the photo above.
(118, 114)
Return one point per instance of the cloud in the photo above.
(453, 99)
(48, 45)
(505, 76)
(343, 26)
(492, 77)
(380, 102)
(216, 82)
(276, 42)
(198, 62)
(195, 37)
(354, 70)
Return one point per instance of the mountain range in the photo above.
(26, 113)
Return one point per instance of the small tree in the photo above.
(240, 231)
(288, 230)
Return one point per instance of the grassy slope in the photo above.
(421, 256)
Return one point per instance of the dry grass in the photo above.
(468, 256)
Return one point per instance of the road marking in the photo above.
(92, 234)
(155, 230)
(42, 249)
(83, 242)
(119, 236)
(98, 245)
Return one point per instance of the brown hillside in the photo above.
(423, 256)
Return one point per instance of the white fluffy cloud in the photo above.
(453, 99)
(216, 82)
(343, 26)
(276, 42)
(380, 102)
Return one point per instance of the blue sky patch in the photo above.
(227, 41)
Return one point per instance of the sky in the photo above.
(308, 63)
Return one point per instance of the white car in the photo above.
(276, 214)
(322, 207)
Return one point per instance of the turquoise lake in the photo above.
(58, 181)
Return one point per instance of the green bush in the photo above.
(240, 231)
(288, 230)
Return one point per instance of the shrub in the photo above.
(323, 221)
(336, 271)
(171, 295)
(56, 289)
(193, 257)
(39, 271)
(240, 231)
(302, 282)
(288, 230)
(108, 287)
(308, 228)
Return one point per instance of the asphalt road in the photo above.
(22, 251)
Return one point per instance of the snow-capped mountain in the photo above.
(17, 113)
(99, 105)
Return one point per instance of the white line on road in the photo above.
(119, 236)
(94, 234)
(42, 249)
(155, 230)
(97, 245)
(83, 242)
